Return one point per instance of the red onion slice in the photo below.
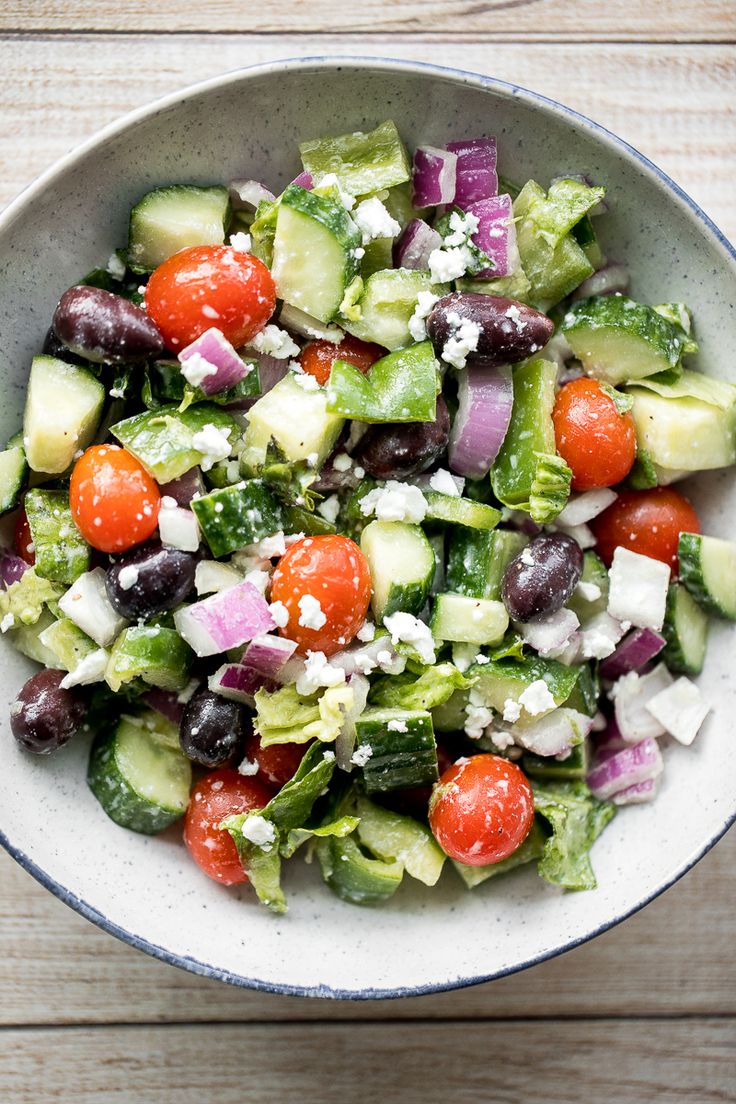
(413, 248)
(496, 235)
(268, 654)
(485, 399)
(239, 683)
(213, 347)
(625, 768)
(185, 488)
(476, 170)
(433, 176)
(638, 793)
(166, 703)
(304, 180)
(634, 651)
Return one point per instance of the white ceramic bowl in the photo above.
(146, 890)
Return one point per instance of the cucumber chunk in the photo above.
(686, 426)
(686, 632)
(501, 680)
(619, 340)
(477, 560)
(63, 409)
(595, 573)
(140, 783)
(403, 752)
(460, 511)
(468, 620)
(235, 516)
(67, 642)
(708, 570)
(314, 252)
(395, 838)
(547, 768)
(163, 440)
(388, 301)
(402, 566)
(152, 652)
(13, 474)
(62, 553)
(353, 876)
(169, 219)
(296, 420)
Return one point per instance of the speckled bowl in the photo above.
(145, 890)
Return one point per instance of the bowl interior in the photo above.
(250, 124)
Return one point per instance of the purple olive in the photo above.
(398, 451)
(212, 729)
(105, 328)
(150, 579)
(539, 581)
(507, 331)
(45, 715)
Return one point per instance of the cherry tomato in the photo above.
(220, 794)
(114, 501)
(597, 442)
(210, 285)
(649, 522)
(332, 570)
(277, 763)
(481, 810)
(23, 540)
(318, 357)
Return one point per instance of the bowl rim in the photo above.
(19, 205)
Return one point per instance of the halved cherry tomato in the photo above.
(113, 499)
(23, 540)
(334, 571)
(317, 357)
(220, 794)
(210, 285)
(276, 763)
(597, 442)
(649, 522)
(481, 810)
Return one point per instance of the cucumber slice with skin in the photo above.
(477, 560)
(353, 876)
(402, 566)
(163, 439)
(547, 768)
(140, 783)
(63, 409)
(13, 474)
(683, 434)
(686, 632)
(169, 219)
(594, 572)
(388, 301)
(460, 511)
(468, 620)
(403, 752)
(708, 570)
(314, 252)
(152, 652)
(619, 340)
(396, 838)
(233, 517)
(67, 642)
(62, 553)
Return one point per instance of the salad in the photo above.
(348, 521)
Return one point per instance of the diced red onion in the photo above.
(606, 281)
(584, 507)
(166, 703)
(245, 195)
(345, 742)
(185, 488)
(496, 235)
(304, 180)
(12, 567)
(268, 654)
(609, 742)
(476, 170)
(413, 248)
(433, 176)
(215, 348)
(631, 693)
(638, 793)
(485, 399)
(271, 370)
(224, 620)
(625, 768)
(239, 683)
(634, 651)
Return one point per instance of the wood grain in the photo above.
(676, 105)
(675, 955)
(690, 1061)
(575, 20)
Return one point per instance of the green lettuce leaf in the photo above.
(339, 828)
(25, 599)
(434, 687)
(576, 819)
(550, 488)
(285, 717)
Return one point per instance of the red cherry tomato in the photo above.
(335, 572)
(219, 795)
(649, 522)
(210, 285)
(481, 810)
(277, 763)
(23, 540)
(114, 501)
(597, 442)
(318, 357)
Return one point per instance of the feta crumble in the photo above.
(280, 614)
(638, 591)
(275, 342)
(116, 267)
(446, 265)
(342, 462)
(366, 632)
(90, 669)
(462, 340)
(256, 829)
(374, 221)
(395, 502)
(196, 369)
(406, 628)
(478, 716)
(511, 711)
(311, 615)
(417, 323)
(537, 698)
(240, 242)
(680, 709)
(444, 483)
(329, 508)
(7, 622)
(128, 576)
(361, 755)
(397, 726)
(248, 767)
(318, 672)
(213, 444)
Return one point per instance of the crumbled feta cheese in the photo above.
(310, 612)
(248, 767)
(374, 221)
(212, 443)
(117, 392)
(537, 698)
(511, 711)
(680, 709)
(444, 483)
(256, 829)
(178, 528)
(280, 614)
(331, 180)
(463, 337)
(318, 672)
(361, 755)
(409, 629)
(417, 323)
(342, 462)
(449, 264)
(502, 739)
(128, 576)
(366, 632)
(240, 242)
(589, 592)
(478, 716)
(7, 622)
(116, 267)
(275, 342)
(462, 227)
(329, 509)
(305, 381)
(638, 591)
(196, 368)
(395, 502)
(397, 726)
(90, 669)
(258, 579)
(600, 636)
(550, 633)
(514, 314)
(87, 605)
(526, 558)
(584, 507)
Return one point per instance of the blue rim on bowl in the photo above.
(17, 207)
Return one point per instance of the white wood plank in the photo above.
(675, 105)
(674, 957)
(500, 1063)
(676, 20)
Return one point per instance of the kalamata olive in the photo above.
(542, 577)
(213, 729)
(55, 348)
(396, 451)
(104, 327)
(150, 579)
(45, 715)
(507, 331)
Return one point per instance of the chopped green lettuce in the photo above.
(433, 687)
(286, 717)
(576, 819)
(25, 599)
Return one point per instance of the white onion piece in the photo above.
(612, 279)
(631, 695)
(584, 507)
(485, 399)
(554, 733)
(245, 195)
(345, 742)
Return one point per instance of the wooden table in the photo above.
(644, 1013)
